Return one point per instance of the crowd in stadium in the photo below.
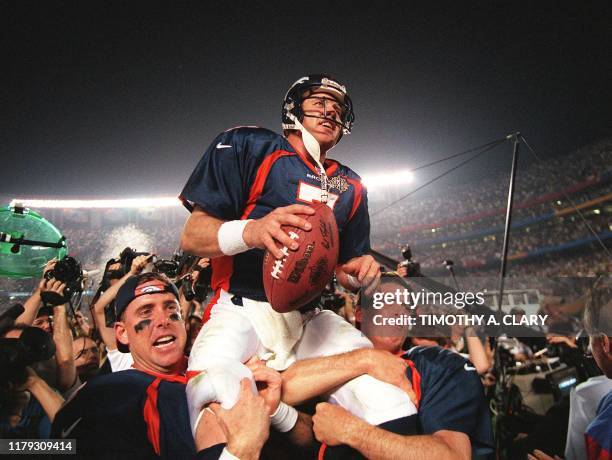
(585, 166)
(471, 230)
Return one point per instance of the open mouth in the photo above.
(328, 124)
(164, 342)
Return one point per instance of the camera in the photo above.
(201, 288)
(170, 268)
(414, 268)
(128, 255)
(32, 346)
(187, 268)
(329, 299)
(68, 271)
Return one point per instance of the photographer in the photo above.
(195, 286)
(117, 359)
(32, 305)
(58, 325)
(28, 403)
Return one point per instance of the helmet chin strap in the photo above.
(314, 149)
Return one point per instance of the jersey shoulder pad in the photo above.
(240, 133)
(129, 378)
(250, 142)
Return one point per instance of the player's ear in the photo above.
(358, 314)
(121, 333)
(606, 344)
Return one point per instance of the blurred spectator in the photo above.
(584, 400)
(86, 357)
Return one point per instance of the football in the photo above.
(301, 275)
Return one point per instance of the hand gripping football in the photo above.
(301, 275)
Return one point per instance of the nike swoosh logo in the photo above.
(469, 368)
(223, 146)
(65, 433)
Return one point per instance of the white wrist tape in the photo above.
(226, 455)
(285, 418)
(353, 281)
(230, 237)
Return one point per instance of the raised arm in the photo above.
(50, 401)
(334, 425)
(108, 333)
(33, 303)
(477, 351)
(310, 378)
(62, 336)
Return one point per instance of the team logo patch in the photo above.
(339, 183)
(150, 287)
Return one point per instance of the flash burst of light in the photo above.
(120, 238)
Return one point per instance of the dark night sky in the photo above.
(118, 98)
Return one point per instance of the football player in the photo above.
(249, 183)
(453, 419)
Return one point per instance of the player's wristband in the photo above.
(284, 418)
(230, 237)
(227, 455)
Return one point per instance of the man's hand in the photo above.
(138, 264)
(562, 340)
(269, 383)
(246, 425)
(49, 266)
(202, 264)
(82, 322)
(402, 270)
(53, 285)
(387, 367)
(266, 232)
(366, 270)
(332, 424)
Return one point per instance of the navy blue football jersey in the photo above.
(450, 397)
(248, 172)
(128, 414)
